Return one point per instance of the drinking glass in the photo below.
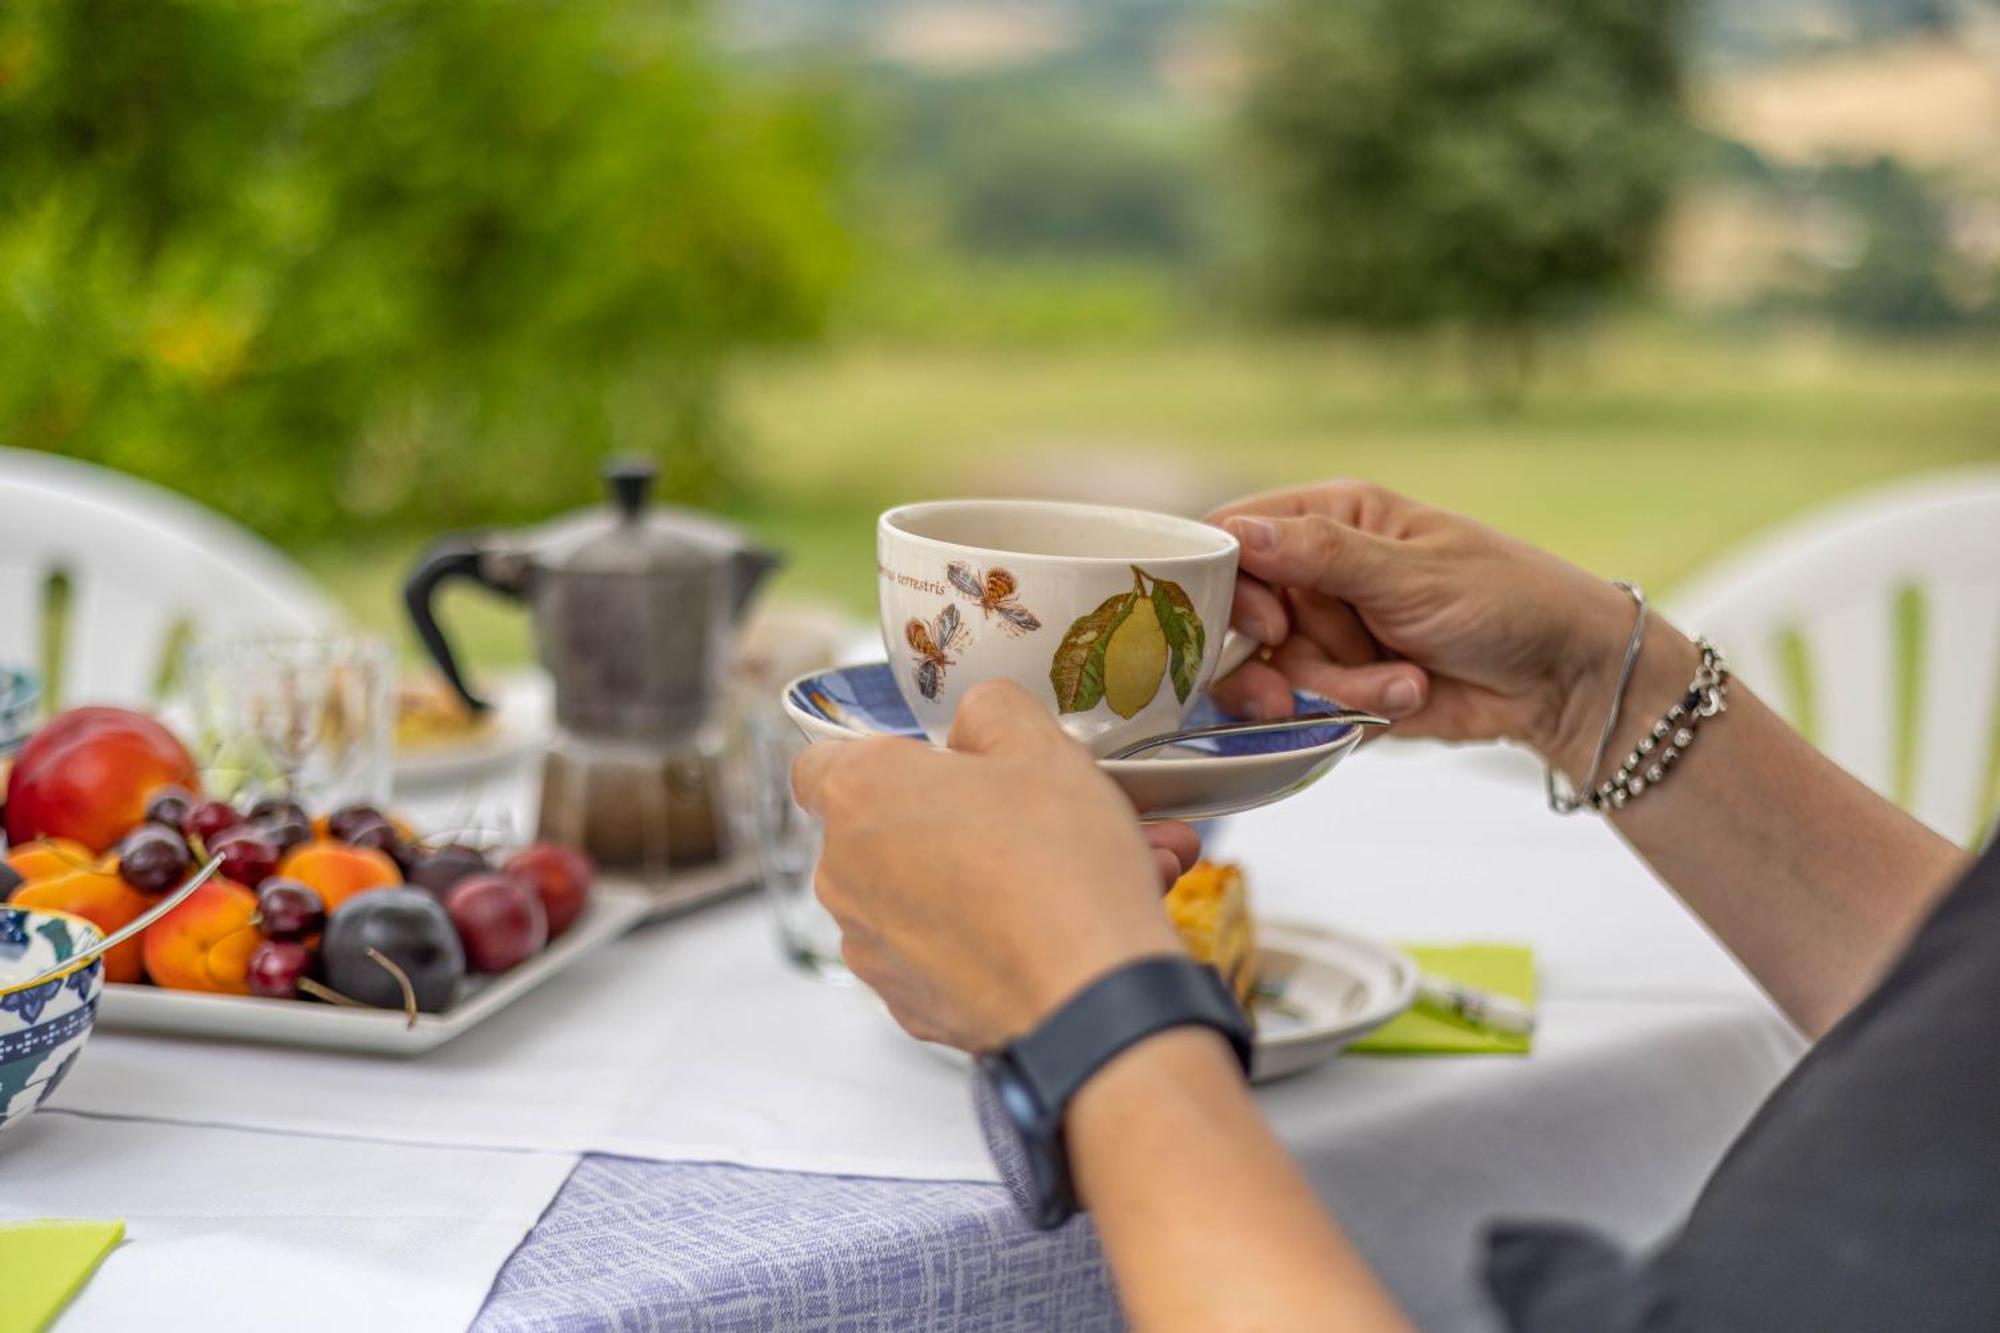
(788, 843)
(309, 718)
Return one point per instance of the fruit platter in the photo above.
(343, 928)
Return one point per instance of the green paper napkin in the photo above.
(1507, 969)
(43, 1265)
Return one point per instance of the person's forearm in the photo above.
(1812, 880)
(1207, 1223)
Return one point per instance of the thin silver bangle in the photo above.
(1563, 798)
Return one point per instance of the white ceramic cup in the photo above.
(1113, 618)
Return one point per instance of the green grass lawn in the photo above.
(1644, 450)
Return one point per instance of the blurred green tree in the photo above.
(1418, 162)
(395, 263)
(1899, 277)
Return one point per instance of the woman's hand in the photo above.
(978, 888)
(1450, 627)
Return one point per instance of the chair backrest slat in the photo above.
(1854, 688)
(1958, 711)
(1893, 599)
(118, 633)
(140, 561)
(22, 588)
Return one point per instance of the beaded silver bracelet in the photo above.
(1657, 753)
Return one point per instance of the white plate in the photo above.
(1319, 990)
(612, 911)
(1201, 780)
(522, 707)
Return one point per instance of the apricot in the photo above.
(337, 871)
(205, 944)
(87, 773)
(104, 900)
(45, 858)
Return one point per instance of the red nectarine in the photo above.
(87, 773)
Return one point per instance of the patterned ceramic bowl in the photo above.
(42, 1028)
(20, 700)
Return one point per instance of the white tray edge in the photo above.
(613, 910)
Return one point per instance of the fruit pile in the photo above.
(104, 814)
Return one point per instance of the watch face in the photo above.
(1029, 1159)
(1003, 1140)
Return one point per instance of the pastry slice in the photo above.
(1210, 909)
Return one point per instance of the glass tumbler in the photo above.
(307, 718)
(788, 842)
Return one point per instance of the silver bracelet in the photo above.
(1563, 798)
(1707, 695)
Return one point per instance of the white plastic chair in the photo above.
(1874, 626)
(144, 566)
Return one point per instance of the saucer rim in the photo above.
(1349, 736)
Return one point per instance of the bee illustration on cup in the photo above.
(993, 591)
(932, 645)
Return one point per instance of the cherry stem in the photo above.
(329, 994)
(403, 980)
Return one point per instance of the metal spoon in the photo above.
(1339, 717)
(118, 937)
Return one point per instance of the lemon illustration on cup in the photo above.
(1119, 653)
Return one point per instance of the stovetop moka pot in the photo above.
(634, 610)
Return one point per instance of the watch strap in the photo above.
(1120, 1010)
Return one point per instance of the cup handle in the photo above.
(1237, 648)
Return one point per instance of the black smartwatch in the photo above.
(1020, 1092)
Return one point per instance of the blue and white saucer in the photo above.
(1201, 779)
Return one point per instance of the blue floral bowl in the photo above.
(42, 1028)
(20, 700)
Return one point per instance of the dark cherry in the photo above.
(208, 819)
(170, 806)
(381, 835)
(345, 822)
(249, 855)
(500, 920)
(288, 910)
(272, 808)
(406, 854)
(154, 858)
(275, 969)
(446, 866)
(285, 830)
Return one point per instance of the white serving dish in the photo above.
(613, 909)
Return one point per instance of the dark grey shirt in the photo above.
(1865, 1194)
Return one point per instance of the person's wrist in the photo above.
(1177, 1057)
(1061, 973)
(1666, 663)
(1584, 679)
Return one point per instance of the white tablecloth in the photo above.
(231, 1229)
(690, 1041)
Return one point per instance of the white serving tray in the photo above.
(614, 908)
